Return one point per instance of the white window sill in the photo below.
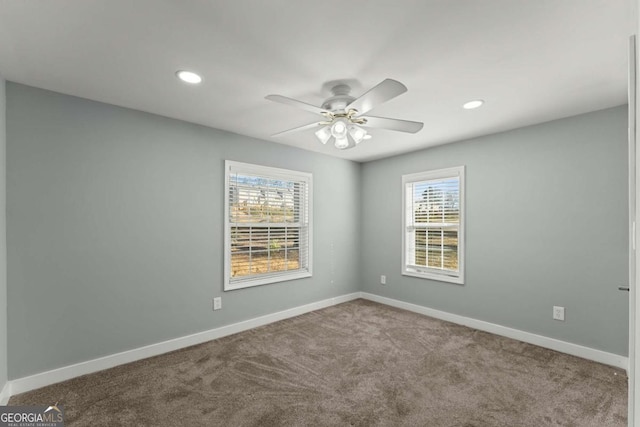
(257, 281)
(441, 277)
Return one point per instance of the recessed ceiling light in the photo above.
(189, 77)
(473, 104)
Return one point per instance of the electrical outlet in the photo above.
(558, 313)
(383, 280)
(217, 303)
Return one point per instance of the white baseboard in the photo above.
(539, 340)
(5, 394)
(43, 379)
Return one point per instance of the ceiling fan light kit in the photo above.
(339, 129)
(345, 117)
(357, 133)
(324, 134)
(344, 136)
(342, 143)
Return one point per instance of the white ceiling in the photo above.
(531, 60)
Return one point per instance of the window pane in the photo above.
(258, 199)
(256, 250)
(450, 254)
(240, 264)
(436, 201)
(442, 250)
(292, 261)
(421, 247)
(433, 251)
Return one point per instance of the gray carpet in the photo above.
(355, 364)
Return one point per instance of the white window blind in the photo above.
(268, 225)
(433, 225)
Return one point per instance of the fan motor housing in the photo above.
(340, 98)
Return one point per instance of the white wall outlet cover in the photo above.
(558, 312)
(217, 303)
(383, 279)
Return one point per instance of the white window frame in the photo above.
(422, 271)
(305, 213)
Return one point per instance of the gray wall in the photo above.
(546, 225)
(115, 229)
(3, 240)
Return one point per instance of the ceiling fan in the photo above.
(345, 117)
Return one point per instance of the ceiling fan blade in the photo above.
(375, 96)
(295, 103)
(393, 124)
(298, 129)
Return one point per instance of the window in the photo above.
(267, 225)
(433, 225)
